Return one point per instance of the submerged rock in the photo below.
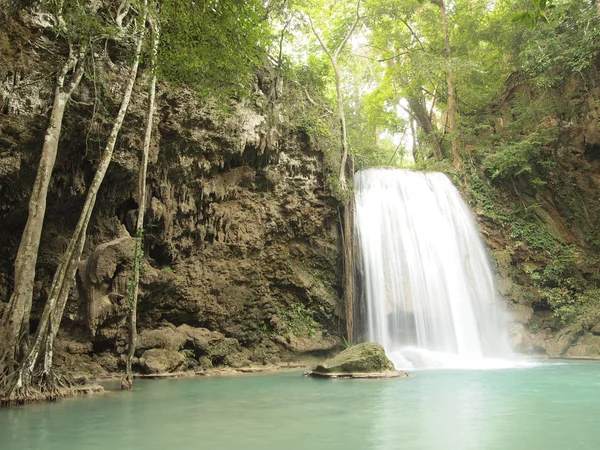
(366, 360)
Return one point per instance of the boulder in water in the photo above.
(366, 360)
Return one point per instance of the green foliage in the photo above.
(136, 267)
(298, 320)
(564, 46)
(513, 160)
(529, 230)
(582, 309)
(215, 46)
(538, 14)
(345, 343)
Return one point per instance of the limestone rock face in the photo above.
(367, 357)
(587, 346)
(159, 360)
(102, 280)
(165, 338)
(241, 232)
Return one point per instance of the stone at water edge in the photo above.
(159, 360)
(366, 360)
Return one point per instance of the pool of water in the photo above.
(552, 406)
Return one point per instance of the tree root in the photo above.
(43, 388)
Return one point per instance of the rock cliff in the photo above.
(241, 262)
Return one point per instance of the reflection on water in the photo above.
(550, 407)
(450, 420)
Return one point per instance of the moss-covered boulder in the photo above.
(366, 360)
(160, 360)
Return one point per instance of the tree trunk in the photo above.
(429, 129)
(452, 109)
(15, 319)
(342, 120)
(348, 256)
(346, 174)
(30, 384)
(127, 382)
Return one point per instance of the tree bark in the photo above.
(333, 57)
(346, 174)
(29, 383)
(127, 382)
(15, 319)
(452, 108)
(348, 246)
(419, 111)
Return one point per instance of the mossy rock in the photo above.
(366, 360)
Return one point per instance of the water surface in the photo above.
(553, 406)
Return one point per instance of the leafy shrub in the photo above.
(513, 160)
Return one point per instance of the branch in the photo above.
(310, 100)
(287, 24)
(321, 41)
(413, 33)
(393, 57)
(122, 12)
(79, 70)
(433, 102)
(350, 31)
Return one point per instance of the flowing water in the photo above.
(427, 280)
(549, 407)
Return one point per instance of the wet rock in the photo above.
(158, 360)
(521, 339)
(367, 357)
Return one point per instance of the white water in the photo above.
(428, 283)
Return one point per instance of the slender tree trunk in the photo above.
(30, 384)
(348, 258)
(452, 108)
(346, 176)
(127, 382)
(15, 319)
(342, 121)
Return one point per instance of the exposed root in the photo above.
(126, 383)
(30, 395)
(41, 388)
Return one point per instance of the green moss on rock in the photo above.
(367, 357)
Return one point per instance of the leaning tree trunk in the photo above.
(127, 382)
(34, 381)
(15, 319)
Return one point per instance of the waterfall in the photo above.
(426, 277)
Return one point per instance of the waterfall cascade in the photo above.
(427, 280)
